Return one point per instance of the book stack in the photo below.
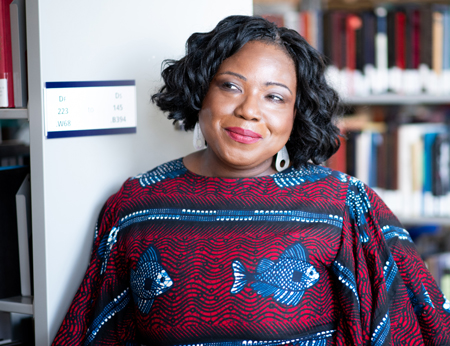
(407, 164)
(13, 87)
(401, 49)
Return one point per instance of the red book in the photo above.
(400, 23)
(306, 26)
(352, 23)
(338, 39)
(6, 70)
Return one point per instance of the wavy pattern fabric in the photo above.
(302, 257)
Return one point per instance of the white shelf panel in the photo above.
(19, 304)
(393, 99)
(13, 113)
(441, 221)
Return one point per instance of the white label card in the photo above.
(92, 108)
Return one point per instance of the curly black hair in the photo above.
(314, 136)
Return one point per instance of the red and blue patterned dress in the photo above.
(302, 257)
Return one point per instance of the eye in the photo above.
(229, 86)
(275, 98)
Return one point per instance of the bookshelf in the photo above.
(394, 99)
(13, 113)
(18, 304)
(73, 177)
(354, 62)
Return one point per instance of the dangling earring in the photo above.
(199, 139)
(282, 160)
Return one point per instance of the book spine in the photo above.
(6, 75)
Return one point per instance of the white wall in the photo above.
(72, 177)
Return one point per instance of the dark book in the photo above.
(441, 164)
(338, 39)
(426, 36)
(10, 180)
(415, 49)
(391, 37)
(327, 38)
(411, 37)
(351, 152)
(392, 158)
(368, 32)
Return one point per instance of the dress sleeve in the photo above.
(100, 313)
(386, 294)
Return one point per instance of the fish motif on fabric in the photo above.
(149, 280)
(287, 279)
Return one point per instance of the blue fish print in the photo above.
(286, 279)
(149, 280)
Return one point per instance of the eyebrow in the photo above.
(245, 79)
(234, 74)
(279, 84)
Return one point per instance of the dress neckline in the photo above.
(230, 179)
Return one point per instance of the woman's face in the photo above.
(248, 112)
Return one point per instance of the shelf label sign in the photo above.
(74, 109)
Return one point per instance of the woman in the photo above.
(248, 241)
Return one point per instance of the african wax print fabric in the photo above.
(307, 256)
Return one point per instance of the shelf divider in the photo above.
(13, 113)
(18, 304)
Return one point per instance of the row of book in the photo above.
(408, 165)
(402, 49)
(13, 71)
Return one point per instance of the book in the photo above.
(6, 70)
(381, 81)
(10, 180)
(23, 210)
(18, 51)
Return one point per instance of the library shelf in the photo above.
(418, 221)
(13, 113)
(395, 99)
(18, 304)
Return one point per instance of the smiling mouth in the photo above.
(242, 136)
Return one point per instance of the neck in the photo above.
(203, 163)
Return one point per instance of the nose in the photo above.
(249, 108)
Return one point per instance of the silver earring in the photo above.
(199, 139)
(282, 160)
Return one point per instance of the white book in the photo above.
(23, 209)
(361, 84)
(363, 156)
(395, 76)
(370, 73)
(411, 82)
(18, 49)
(425, 78)
(408, 134)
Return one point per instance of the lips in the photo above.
(243, 136)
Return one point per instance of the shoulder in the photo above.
(310, 173)
(168, 170)
(131, 191)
